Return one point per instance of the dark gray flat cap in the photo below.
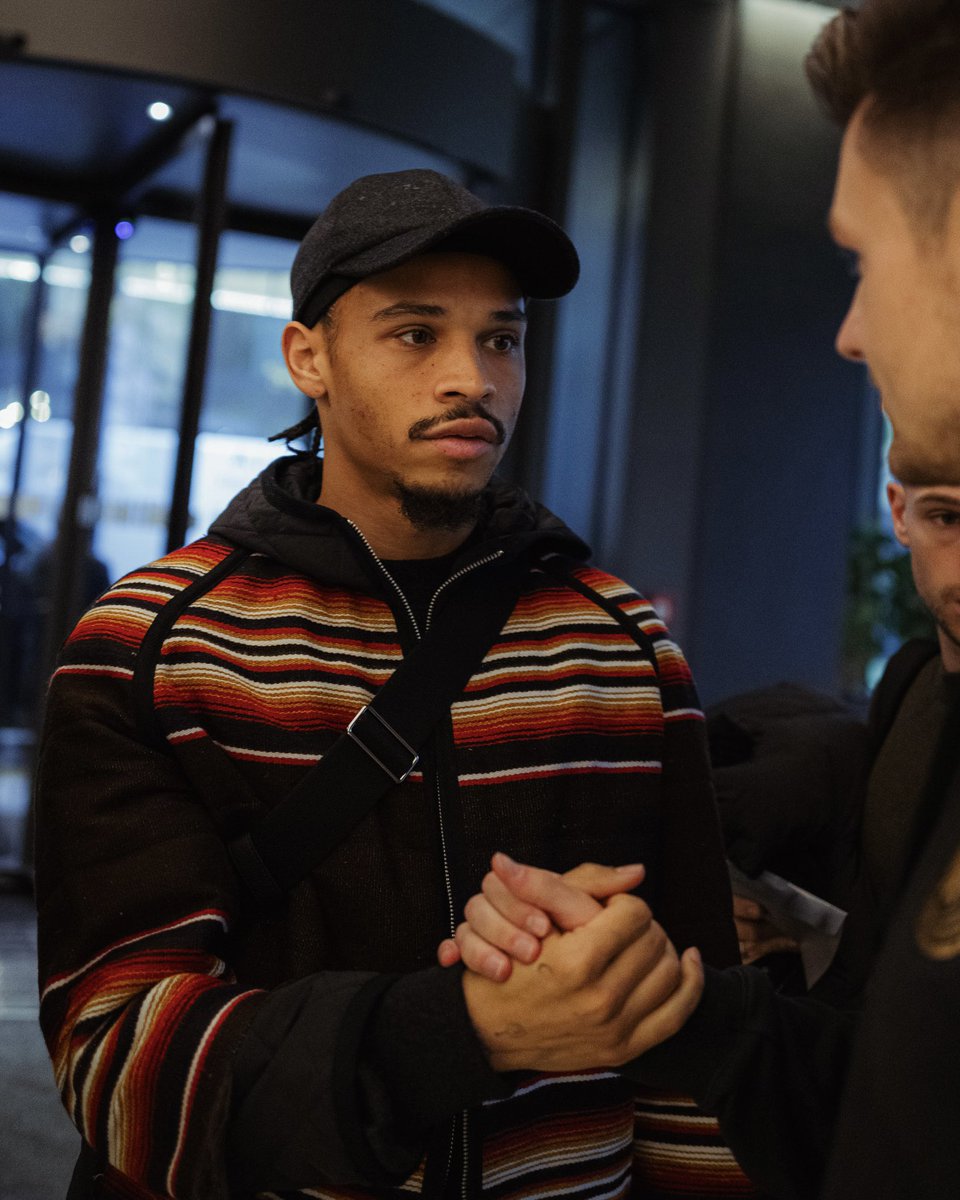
(381, 221)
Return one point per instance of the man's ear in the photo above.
(305, 353)
(897, 499)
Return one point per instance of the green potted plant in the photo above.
(882, 609)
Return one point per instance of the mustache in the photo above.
(460, 412)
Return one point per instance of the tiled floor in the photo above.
(38, 1145)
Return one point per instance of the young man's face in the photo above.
(420, 380)
(904, 320)
(927, 520)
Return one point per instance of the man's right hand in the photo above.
(596, 996)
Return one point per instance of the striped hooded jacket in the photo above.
(208, 1050)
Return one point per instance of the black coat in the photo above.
(817, 1100)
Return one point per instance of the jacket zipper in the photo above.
(448, 882)
(480, 562)
(445, 863)
(390, 579)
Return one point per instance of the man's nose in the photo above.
(464, 374)
(849, 340)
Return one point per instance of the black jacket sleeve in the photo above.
(384, 1061)
(184, 1079)
(769, 1067)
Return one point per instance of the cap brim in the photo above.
(533, 247)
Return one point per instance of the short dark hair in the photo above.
(903, 56)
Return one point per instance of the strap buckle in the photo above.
(387, 747)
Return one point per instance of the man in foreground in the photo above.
(811, 1098)
(222, 1024)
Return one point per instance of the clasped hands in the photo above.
(569, 972)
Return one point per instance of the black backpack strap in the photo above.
(380, 746)
(562, 568)
(149, 653)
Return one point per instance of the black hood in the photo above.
(277, 515)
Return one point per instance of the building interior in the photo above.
(686, 411)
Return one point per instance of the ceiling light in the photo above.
(11, 414)
(40, 406)
(79, 243)
(159, 110)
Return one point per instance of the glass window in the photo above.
(49, 408)
(17, 280)
(248, 394)
(149, 328)
(40, 424)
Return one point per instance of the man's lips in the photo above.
(468, 428)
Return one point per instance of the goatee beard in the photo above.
(431, 508)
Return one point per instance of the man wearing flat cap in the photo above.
(277, 762)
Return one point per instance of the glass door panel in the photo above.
(249, 394)
(149, 332)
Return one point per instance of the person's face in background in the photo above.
(927, 521)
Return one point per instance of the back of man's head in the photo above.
(899, 61)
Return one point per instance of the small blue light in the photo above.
(123, 230)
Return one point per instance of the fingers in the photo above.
(496, 929)
(619, 927)
(649, 992)
(601, 882)
(642, 995)
(508, 919)
(747, 910)
(479, 956)
(752, 950)
(636, 980)
(747, 933)
(546, 892)
(669, 1017)
(756, 934)
(661, 1004)
(514, 912)
(482, 958)
(448, 953)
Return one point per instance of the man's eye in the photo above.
(948, 519)
(416, 337)
(504, 342)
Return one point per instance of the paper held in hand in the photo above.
(810, 920)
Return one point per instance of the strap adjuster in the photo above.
(391, 747)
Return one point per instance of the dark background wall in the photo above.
(754, 449)
(786, 418)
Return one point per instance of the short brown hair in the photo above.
(903, 56)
